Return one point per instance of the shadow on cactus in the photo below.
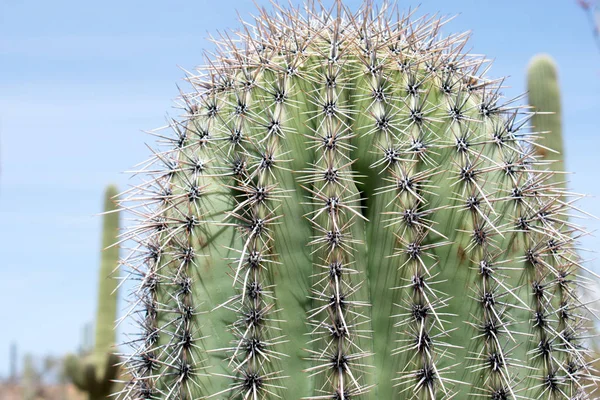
(348, 209)
(95, 373)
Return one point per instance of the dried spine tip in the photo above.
(348, 210)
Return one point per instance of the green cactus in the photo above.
(348, 210)
(544, 97)
(95, 372)
(12, 363)
(30, 380)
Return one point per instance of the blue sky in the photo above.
(80, 80)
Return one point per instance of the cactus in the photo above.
(544, 97)
(30, 380)
(87, 338)
(349, 209)
(95, 372)
(12, 363)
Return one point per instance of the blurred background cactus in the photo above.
(87, 338)
(350, 209)
(96, 367)
(30, 379)
(95, 372)
(42, 379)
(13, 363)
(544, 96)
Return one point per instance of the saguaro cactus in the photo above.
(30, 380)
(95, 372)
(544, 96)
(12, 363)
(347, 210)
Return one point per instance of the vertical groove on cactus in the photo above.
(347, 209)
(95, 373)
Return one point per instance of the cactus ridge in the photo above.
(349, 209)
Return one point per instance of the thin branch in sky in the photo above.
(592, 10)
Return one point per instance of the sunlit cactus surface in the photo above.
(348, 209)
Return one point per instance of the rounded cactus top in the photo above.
(348, 209)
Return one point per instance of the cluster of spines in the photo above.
(252, 126)
(435, 124)
(171, 209)
(557, 351)
(404, 126)
(482, 157)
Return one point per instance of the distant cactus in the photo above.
(95, 373)
(87, 338)
(30, 379)
(12, 363)
(347, 210)
(544, 96)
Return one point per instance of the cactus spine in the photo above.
(348, 210)
(94, 373)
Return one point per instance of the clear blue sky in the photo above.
(79, 80)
